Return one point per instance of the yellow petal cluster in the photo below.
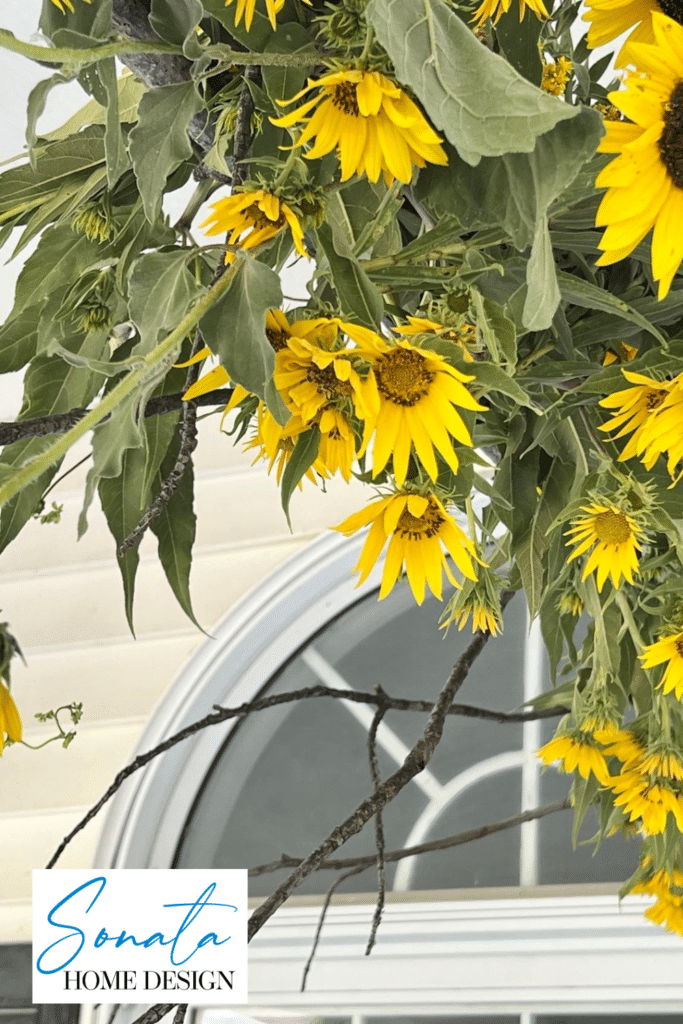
(61, 4)
(419, 393)
(669, 650)
(577, 753)
(496, 8)
(251, 218)
(616, 536)
(668, 888)
(10, 722)
(371, 123)
(609, 19)
(645, 181)
(420, 532)
(652, 411)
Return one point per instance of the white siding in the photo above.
(64, 602)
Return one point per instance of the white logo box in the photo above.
(140, 936)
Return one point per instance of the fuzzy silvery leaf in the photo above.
(481, 104)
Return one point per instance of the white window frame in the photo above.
(549, 953)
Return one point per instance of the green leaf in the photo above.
(175, 532)
(23, 188)
(50, 386)
(494, 378)
(159, 142)
(19, 339)
(349, 211)
(441, 240)
(175, 22)
(235, 330)
(515, 192)
(411, 278)
(85, 19)
(160, 290)
(36, 105)
(300, 461)
(118, 160)
(530, 549)
(590, 296)
(359, 300)
(130, 93)
(61, 256)
(483, 106)
(254, 38)
(518, 41)
(120, 498)
(282, 83)
(497, 330)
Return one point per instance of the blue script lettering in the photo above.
(122, 937)
(72, 929)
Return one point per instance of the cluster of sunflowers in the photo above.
(362, 391)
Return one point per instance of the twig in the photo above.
(379, 824)
(188, 443)
(242, 138)
(180, 1014)
(261, 704)
(415, 762)
(41, 426)
(155, 1013)
(392, 856)
(321, 920)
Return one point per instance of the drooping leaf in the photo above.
(175, 22)
(440, 58)
(118, 160)
(235, 330)
(61, 256)
(19, 339)
(159, 142)
(160, 290)
(175, 532)
(120, 498)
(130, 93)
(300, 461)
(359, 300)
(36, 105)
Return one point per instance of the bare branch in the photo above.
(321, 920)
(391, 856)
(41, 426)
(261, 704)
(379, 824)
(155, 1013)
(415, 762)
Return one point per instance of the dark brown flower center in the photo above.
(277, 339)
(327, 382)
(403, 376)
(672, 8)
(428, 525)
(654, 399)
(345, 98)
(679, 648)
(260, 220)
(671, 140)
(612, 527)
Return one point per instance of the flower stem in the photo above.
(369, 39)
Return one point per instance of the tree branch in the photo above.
(415, 762)
(392, 856)
(262, 703)
(41, 426)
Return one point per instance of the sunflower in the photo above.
(61, 4)
(258, 213)
(275, 443)
(616, 536)
(370, 120)
(663, 761)
(465, 336)
(609, 19)
(635, 408)
(246, 8)
(624, 745)
(645, 181)
(484, 618)
(10, 722)
(418, 392)
(489, 8)
(313, 371)
(337, 448)
(667, 649)
(642, 798)
(576, 754)
(662, 431)
(416, 526)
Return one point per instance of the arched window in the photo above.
(502, 924)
